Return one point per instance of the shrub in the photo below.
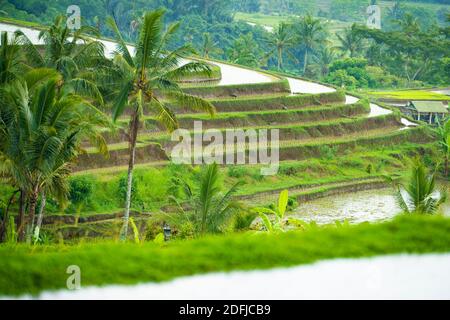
(80, 190)
(237, 171)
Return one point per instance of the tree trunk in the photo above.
(40, 216)
(305, 62)
(280, 58)
(446, 166)
(21, 223)
(31, 214)
(134, 126)
(4, 224)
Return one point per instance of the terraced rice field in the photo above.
(311, 118)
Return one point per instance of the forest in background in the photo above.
(312, 48)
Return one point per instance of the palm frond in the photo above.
(164, 115)
(86, 88)
(121, 44)
(190, 102)
(199, 68)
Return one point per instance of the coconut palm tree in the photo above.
(420, 195)
(11, 59)
(207, 208)
(74, 54)
(311, 33)
(443, 135)
(350, 42)
(209, 46)
(281, 41)
(41, 129)
(141, 81)
(323, 58)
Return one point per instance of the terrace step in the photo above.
(312, 191)
(289, 149)
(262, 118)
(294, 130)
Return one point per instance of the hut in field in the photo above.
(427, 111)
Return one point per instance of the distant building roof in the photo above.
(429, 106)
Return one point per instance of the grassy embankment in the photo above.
(44, 267)
(406, 95)
(154, 184)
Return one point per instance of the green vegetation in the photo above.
(278, 214)
(208, 209)
(67, 172)
(154, 69)
(408, 95)
(226, 91)
(420, 195)
(44, 267)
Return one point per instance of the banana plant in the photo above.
(275, 225)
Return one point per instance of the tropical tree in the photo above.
(350, 42)
(443, 135)
(245, 51)
(41, 130)
(281, 41)
(11, 59)
(74, 54)
(278, 213)
(311, 33)
(207, 208)
(323, 59)
(140, 82)
(209, 46)
(420, 195)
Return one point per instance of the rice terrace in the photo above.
(190, 149)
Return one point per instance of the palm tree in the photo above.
(245, 51)
(420, 195)
(74, 54)
(323, 58)
(209, 46)
(443, 134)
(311, 32)
(41, 129)
(141, 81)
(207, 208)
(11, 59)
(281, 41)
(350, 41)
(395, 12)
(409, 24)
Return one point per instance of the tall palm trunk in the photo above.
(21, 222)
(446, 166)
(306, 61)
(134, 127)
(4, 223)
(40, 215)
(32, 202)
(280, 58)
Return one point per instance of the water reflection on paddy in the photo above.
(357, 207)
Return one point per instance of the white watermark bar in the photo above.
(229, 147)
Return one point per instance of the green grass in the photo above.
(22, 23)
(25, 269)
(409, 95)
(334, 26)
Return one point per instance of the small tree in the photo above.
(443, 135)
(80, 193)
(278, 213)
(420, 195)
(207, 209)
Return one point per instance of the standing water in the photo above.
(356, 207)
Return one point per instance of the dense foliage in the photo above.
(301, 47)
